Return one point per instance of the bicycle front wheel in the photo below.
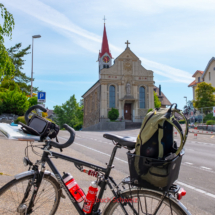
(143, 202)
(46, 201)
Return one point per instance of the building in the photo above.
(163, 99)
(123, 84)
(208, 76)
(198, 78)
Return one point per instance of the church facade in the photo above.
(125, 85)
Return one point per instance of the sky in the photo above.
(171, 38)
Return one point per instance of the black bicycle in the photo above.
(38, 191)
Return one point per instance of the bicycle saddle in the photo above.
(129, 142)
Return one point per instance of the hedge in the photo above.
(210, 122)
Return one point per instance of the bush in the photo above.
(20, 119)
(14, 102)
(78, 126)
(181, 121)
(208, 117)
(32, 101)
(113, 114)
(150, 109)
(1, 106)
(210, 122)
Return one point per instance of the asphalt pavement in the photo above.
(197, 173)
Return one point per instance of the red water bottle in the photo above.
(73, 187)
(90, 198)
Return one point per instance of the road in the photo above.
(197, 173)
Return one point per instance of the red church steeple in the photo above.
(105, 46)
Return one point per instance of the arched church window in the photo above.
(142, 97)
(112, 96)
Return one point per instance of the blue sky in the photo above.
(172, 38)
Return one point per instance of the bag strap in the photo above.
(177, 126)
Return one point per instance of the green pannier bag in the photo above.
(157, 158)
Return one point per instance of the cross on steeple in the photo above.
(104, 19)
(127, 43)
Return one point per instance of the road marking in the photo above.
(203, 167)
(100, 152)
(212, 136)
(189, 163)
(181, 183)
(196, 189)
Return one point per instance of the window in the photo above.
(107, 66)
(142, 97)
(209, 76)
(112, 96)
(198, 79)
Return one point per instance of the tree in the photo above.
(17, 54)
(204, 96)
(157, 102)
(6, 65)
(70, 113)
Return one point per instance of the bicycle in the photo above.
(38, 191)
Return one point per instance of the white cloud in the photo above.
(60, 23)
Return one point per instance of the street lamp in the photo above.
(186, 99)
(33, 37)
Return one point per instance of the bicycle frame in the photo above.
(106, 171)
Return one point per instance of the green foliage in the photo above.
(8, 23)
(182, 121)
(113, 114)
(14, 102)
(8, 84)
(6, 64)
(208, 117)
(70, 113)
(32, 101)
(149, 110)
(1, 106)
(210, 122)
(78, 126)
(157, 102)
(20, 119)
(204, 96)
(17, 54)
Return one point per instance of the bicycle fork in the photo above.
(23, 209)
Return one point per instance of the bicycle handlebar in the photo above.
(69, 141)
(32, 108)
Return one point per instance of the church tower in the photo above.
(105, 57)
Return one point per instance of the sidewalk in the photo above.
(12, 153)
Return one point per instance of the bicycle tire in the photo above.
(12, 194)
(148, 197)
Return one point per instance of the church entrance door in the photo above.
(127, 111)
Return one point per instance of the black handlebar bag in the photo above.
(40, 127)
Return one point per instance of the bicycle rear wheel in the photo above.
(46, 201)
(144, 202)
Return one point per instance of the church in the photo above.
(123, 84)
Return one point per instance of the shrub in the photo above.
(150, 109)
(1, 106)
(32, 101)
(210, 122)
(20, 119)
(113, 114)
(78, 126)
(182, 121)
(14, 102)
(208, 117)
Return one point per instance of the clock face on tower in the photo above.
(106, 59)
